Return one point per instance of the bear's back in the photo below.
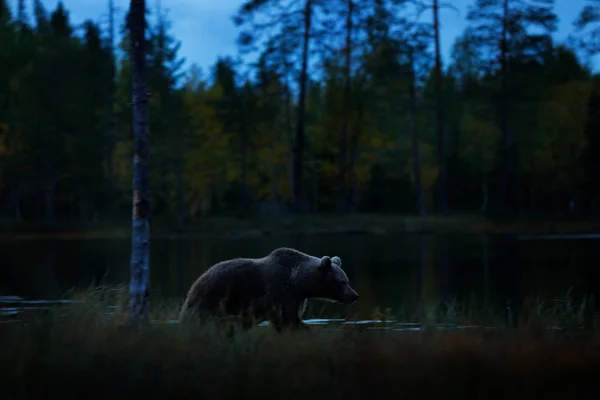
(288, 258)
(234, 281)
(249, 282)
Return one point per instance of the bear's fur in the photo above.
(274, 288)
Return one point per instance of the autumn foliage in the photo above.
(222, 141)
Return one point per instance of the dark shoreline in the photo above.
(315, 225)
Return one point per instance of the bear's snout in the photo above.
(350, 296)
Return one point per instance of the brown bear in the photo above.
(274, 288)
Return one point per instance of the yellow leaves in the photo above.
(273, 162)
(273, 154)
(232, 175)
(206, 163)
(207, 158)
(429, 175)
(480, 137)
(372, 149)
(429, 169)
(558, 141)
(377, 142)
(536, 160)
(565, 113)
(155, 101)
(11, 141)
(214, 93)
(122, 163)
(3, 135)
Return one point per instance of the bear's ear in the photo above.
(337, 261)
(325, 263)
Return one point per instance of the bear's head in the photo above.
(332, 283)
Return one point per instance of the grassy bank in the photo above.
(313, 224)
(82, 350)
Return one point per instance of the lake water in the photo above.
(387, 271)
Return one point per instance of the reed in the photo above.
(84, 349)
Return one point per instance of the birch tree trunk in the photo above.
(140, 243)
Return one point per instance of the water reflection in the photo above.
(403, 273)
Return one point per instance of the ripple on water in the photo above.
(16, 306)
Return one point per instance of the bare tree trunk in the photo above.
(243, 132)
(49, 202)
(421, 278)
(289, 135)
(531, 198)
(572, 199)
(16, 203)
(299, 140)
(354, 156)
(21, 17)
(505, 156)
(38, 190)
(572, 186)
(416, 153)
(182, 209)
(82, 202)
(486, 272)
(139, 288)
(110, 142)
(442, 201)
(571, 204)
(274, 191)
(484, 193)
(244, 167)
(341, 181)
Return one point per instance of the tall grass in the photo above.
(83, 350)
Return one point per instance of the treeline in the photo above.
(347, 109)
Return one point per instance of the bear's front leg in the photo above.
(282, 319)
(299, 324)
(290, 317)
(295, 324)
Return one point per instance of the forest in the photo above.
(349, 108)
